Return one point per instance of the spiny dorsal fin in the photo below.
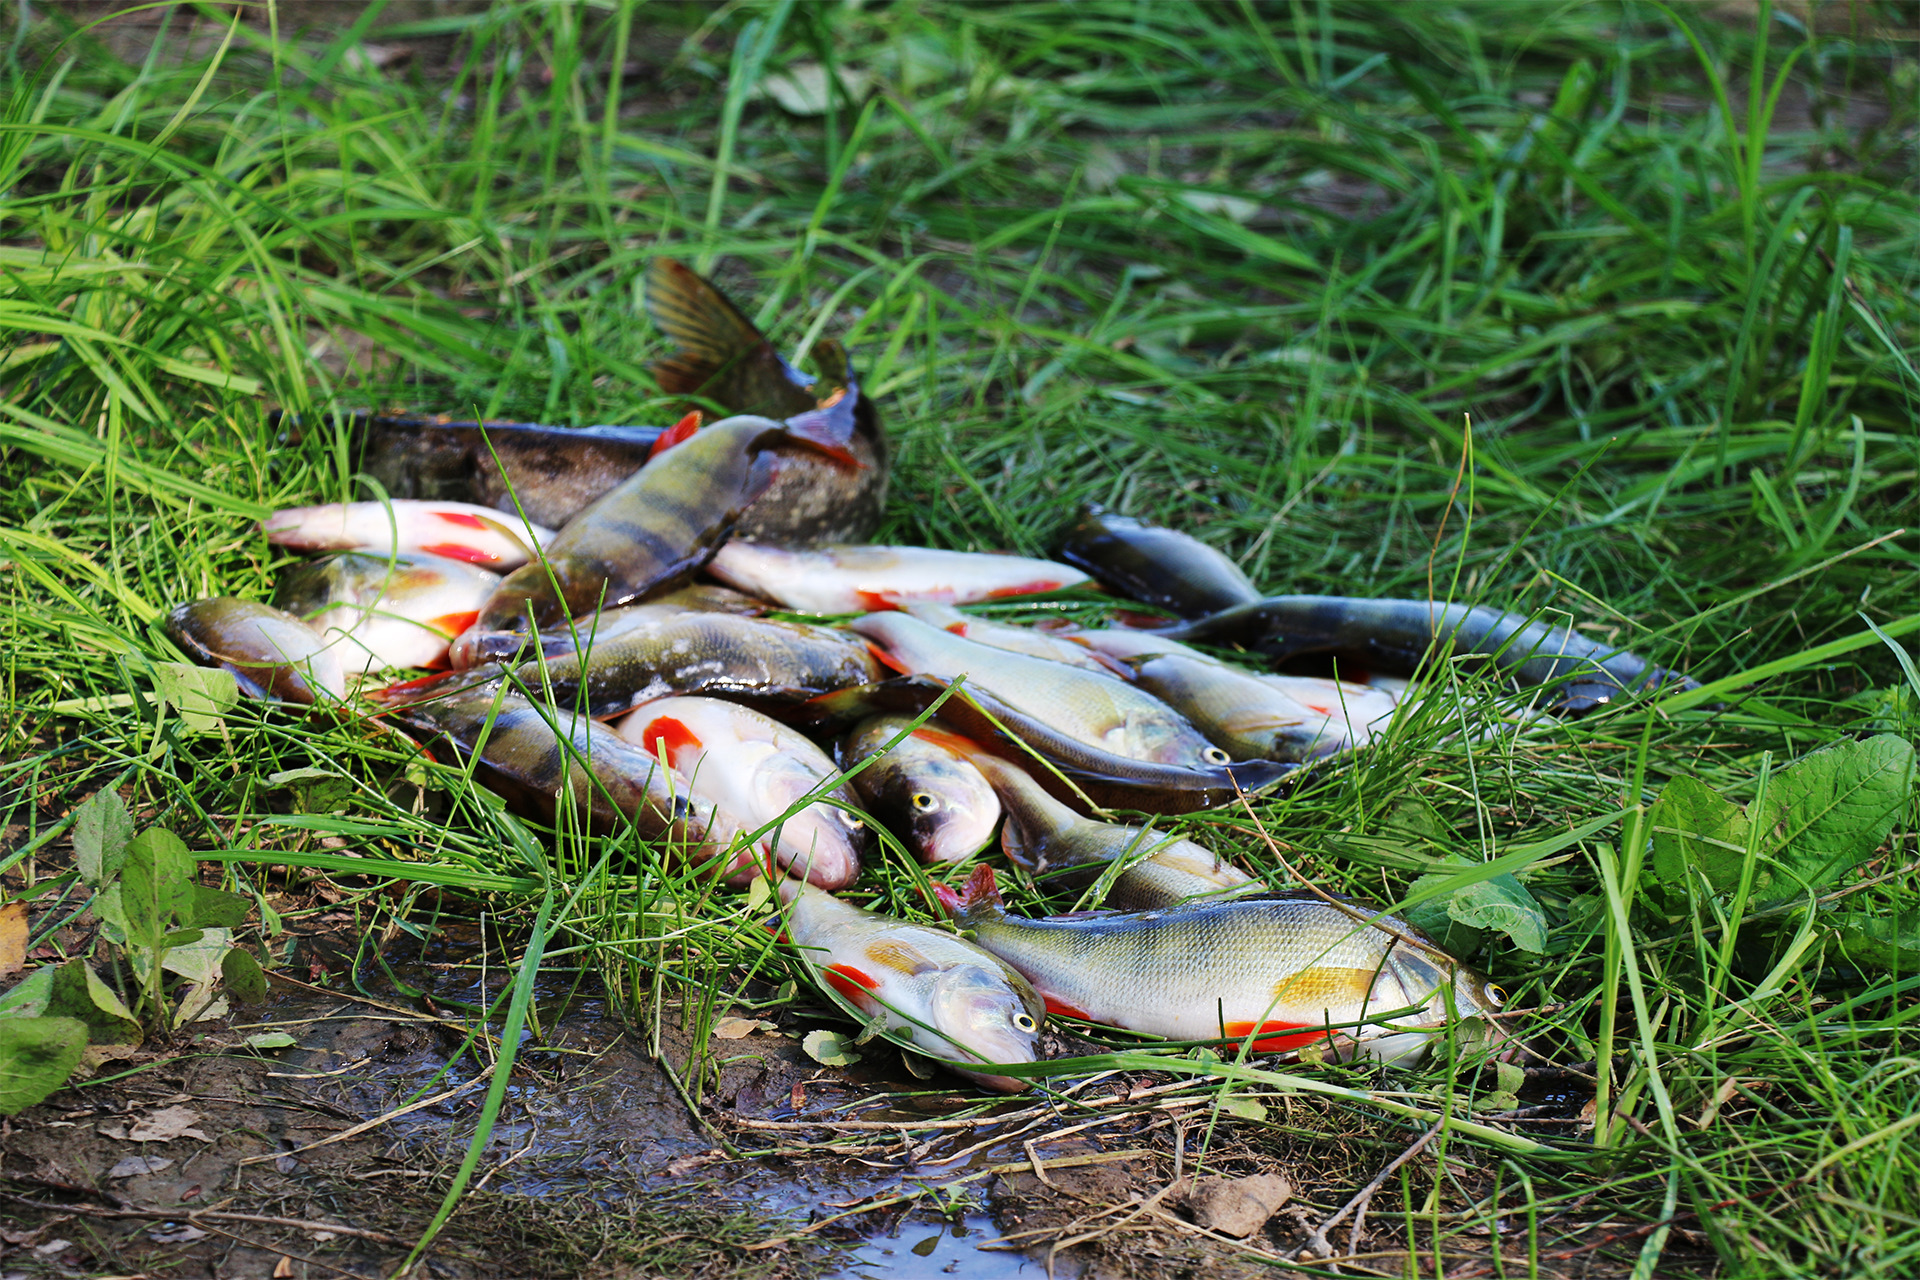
(721, 354)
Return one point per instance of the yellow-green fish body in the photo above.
(1290, 970)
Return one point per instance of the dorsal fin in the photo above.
(721, 354)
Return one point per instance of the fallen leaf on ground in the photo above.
(13, 938)
(830, 1049)
(1238, 1207)
(167, 1124)
(135, 1165)
(182, 1234)
(740, 1028)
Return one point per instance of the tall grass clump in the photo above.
(1604, 312)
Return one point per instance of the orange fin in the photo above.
(454, 623)
(948, 741)
(899, 956)
(1026, 589)
(1062, 1008)
(850, 982)
(465, 520)
(460, 551)
(886, 659)
(679, 433)
(1275, 1044)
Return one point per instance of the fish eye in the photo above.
(1496, 993)
(1214, 755)
(848, 820)
(925, 802)
(1024, 1022)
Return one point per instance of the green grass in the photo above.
(1600, 309)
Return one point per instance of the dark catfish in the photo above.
(1396, 634)
(1155, 565)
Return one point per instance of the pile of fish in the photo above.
(683, 630)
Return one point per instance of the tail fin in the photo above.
(980, 893)
(829, 427)
(721, 354)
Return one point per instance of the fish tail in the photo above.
(979, 894)
(830, 427)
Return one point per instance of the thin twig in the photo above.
(206, 1215)
(1318, 1242)
(376, 1122)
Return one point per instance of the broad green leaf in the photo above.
(28, 997)
(80, 993)
(101, 829)
(245, 981)
(198, 959)
(1500, 904)
(269, 1039)
(830, 1049)
(217, 907)
(109, 904)
(319, 790)
(1695, 828)
(1235, 1104)
(36, 1057)
(156, 886)
(199, 695)
(1829, 811)
(1878, 941)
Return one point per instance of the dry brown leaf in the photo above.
(739, 1028)
(167, 1124)
(13, 938)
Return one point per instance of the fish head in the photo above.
(1165, 739)
(987, 1014)
(1438, 993)
(822, 844)
(941, 804)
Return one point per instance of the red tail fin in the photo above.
(829, 428)
(979, 891)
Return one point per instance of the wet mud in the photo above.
(623, 1152)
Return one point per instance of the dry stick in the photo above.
(374, 1123)
(285, 1253)
(206, 1215)
(1318, 1241)
(412, 1015)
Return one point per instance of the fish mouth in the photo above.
(999, 1084)
(956, 838)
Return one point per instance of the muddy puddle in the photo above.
(329, 1155)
